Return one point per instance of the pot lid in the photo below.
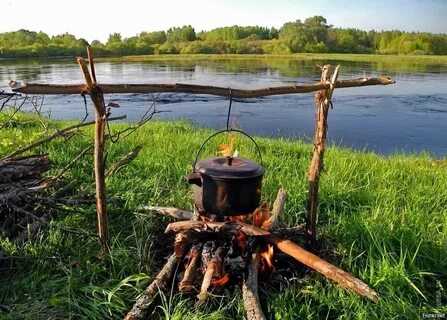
(229, 168)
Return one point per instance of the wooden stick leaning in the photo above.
(58, 133)
(278, 208)
(140, 308)
(290, 248)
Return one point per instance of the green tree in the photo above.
(180, 34)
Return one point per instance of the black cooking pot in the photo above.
(226, 186)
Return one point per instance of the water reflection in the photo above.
(409, 116)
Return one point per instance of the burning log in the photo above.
(250, 295)
(186, 284)
(253, 308)
(230, 227)
(141, 306)
(212, 268)
(182, 239)
(290, 248)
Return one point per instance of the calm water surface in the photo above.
(410, 116)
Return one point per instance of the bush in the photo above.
(276, 47)
(166, 48)
(198, 47)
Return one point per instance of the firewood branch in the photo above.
(140, 309)
(278, 208)
(253, 308)
(186, 284)
(212, 267)
(175, 213)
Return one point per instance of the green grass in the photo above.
(423, 59)
(382, 218)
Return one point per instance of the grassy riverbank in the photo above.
(383, 219)
(423, 59)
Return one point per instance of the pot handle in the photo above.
(258, 150)
(194, 178)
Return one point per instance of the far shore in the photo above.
(416, 59)
(431, 59)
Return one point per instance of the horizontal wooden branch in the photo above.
(34, 88)
(178, 214)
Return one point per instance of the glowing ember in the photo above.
(241, 240)
(221, 281)
(267, 259)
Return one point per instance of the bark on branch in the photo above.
(178, 214)
(253, 308)
(186, 284)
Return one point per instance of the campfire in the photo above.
(230, 237)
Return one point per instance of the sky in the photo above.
(97, 19)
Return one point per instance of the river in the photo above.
(407, 117)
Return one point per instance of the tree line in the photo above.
(313, 35)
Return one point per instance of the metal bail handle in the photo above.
(222, 131)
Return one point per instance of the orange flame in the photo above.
(221, 281)
(261, 216)
(241, 240)
(227, 149)
(267, 259)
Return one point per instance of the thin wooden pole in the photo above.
(100, 125)
(322, 104)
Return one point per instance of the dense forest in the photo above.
(313, 35)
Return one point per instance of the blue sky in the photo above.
(132, 16)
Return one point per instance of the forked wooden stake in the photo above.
(322, 105)
(100, 125)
